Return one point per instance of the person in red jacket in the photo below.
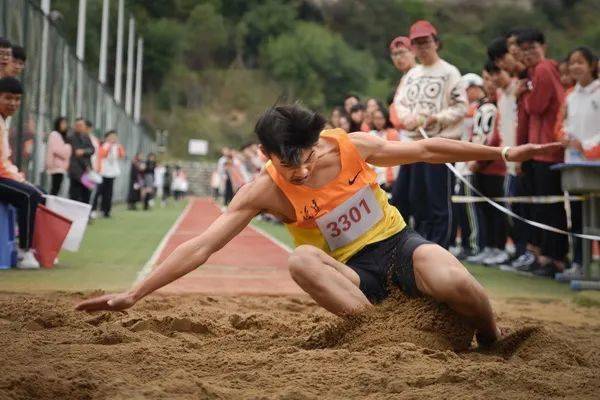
(542, 101)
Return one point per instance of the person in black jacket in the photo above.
(81, 161)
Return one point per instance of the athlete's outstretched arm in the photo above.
(186, 257)
(386, 153)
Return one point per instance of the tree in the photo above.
(317, 66)
(206, 32)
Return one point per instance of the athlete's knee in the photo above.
(304, 263)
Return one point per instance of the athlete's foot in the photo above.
(487, 339)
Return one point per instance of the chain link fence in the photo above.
(21, 22)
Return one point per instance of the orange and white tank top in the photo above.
(346, 214)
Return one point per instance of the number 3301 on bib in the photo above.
(351, 219)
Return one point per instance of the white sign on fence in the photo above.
(198, 147)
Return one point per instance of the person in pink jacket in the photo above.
(58, 154)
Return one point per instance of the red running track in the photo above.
(251, 264)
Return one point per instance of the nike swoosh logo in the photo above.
(351, 181)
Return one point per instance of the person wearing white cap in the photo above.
(431, 96)
(465, 215)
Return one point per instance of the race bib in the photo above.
(351, 219)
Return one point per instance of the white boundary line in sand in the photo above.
(147, 268)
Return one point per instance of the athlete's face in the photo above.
(296, 174)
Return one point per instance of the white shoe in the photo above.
(478, 258)
(498, 257)
(94, 215)
(569, 274)
(28, 261)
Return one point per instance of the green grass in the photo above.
(112, 253)
(498, 283)
(278, 231)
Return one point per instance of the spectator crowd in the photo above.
(520, 96)
(74, 152)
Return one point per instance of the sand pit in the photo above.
(200, 347)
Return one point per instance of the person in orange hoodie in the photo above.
(110, 153)
(14, 189)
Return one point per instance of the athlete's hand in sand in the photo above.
(108, 302)
(528, 151)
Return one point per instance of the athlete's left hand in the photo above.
(528, 151)
(107, 302)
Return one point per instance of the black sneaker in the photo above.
(534, 266)
(464, 254)
(546, 271)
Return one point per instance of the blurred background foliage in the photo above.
(211, 66)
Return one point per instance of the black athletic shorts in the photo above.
(388, 262)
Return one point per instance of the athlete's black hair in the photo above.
(497, 49)
(287, 130)
(10, 85)
(350, 95)
(531, 35)
(589, 56)
(18, 52)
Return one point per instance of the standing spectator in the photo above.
(159, 182)
(507, 127)
(542, 100)
(489, 175)
(349, 101)
(18, 59)
(5, 58)
(168, 181)
(14, 189)
(371, 106)
(431, 96)
(180, 183)
(110, 154)
(512, 63)
(336, 114)
(345, 123)
(357, 117)
(383, 128)
(148, 188)
(58, 154)
(466, 216)
(136, 181)
(81, 161)
(566, 80)
(582, 131)
(404, 60)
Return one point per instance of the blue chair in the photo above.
(8, 248)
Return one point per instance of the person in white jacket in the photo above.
(431, 96)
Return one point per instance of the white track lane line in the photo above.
(147, 268)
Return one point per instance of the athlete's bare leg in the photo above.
(440, 275)
(333, 285)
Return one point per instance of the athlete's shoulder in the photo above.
(260, 193)
(365, 143)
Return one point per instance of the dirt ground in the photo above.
(201, 347)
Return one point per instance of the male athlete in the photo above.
(351, 244)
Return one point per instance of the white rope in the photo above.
(506, 210)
